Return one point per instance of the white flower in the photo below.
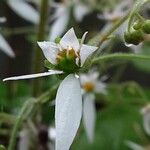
(24, 10)
(90, 84)
(68, 109)
(4, 45)
(62, 14)
(134, 146)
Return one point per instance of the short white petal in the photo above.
(133, 145)
(70, 40)
(89, 115)
(4, 46)
(68, 112)
(100, 87)
(59, 26)
(51, 72)
(50, 51)
(24, 10)
(80, 11)
(85, 52)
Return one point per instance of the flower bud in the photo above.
(146, 27)
(134, 37)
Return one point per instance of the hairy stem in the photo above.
(37, 55)
(119, 56)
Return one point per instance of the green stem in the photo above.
(136, 8)
(20, 30)
(24, 113)
(19, 119)
(119, 56)
(116, 25)
(37, 60)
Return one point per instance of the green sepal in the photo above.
(134, 37)
(146, 27)
(48, 65)
(67, 65)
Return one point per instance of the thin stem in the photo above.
(20, 30)
(37, 60)
(119, 56)
(116, 25)
(24, 113)
(19, 119)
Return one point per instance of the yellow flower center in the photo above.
(66, 54)
(88, 86)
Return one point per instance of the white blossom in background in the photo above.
(24, 10)
(145, 112)
(24, 139)
(90, 85)
(134, 146)
(4, 45)
(62, 15)
(68, 108)
(146, 118)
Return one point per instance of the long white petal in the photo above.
(89, 115)
(80, 11)
(59, 26)
(68, 112)
(51, 72)
(86, 51)
(24, 10)
(50, 51)
(4, 46)
(70, 40)
(133, 145)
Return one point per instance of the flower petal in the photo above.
(4, 46)
(83, 38)
(68, 112)
(133, 145)
(80, 11)
(50, 51)
(100, 87)
(70, 40)
(59, 26)
(24, 10)
(89, 113)
(86, 51)
(50, 72)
